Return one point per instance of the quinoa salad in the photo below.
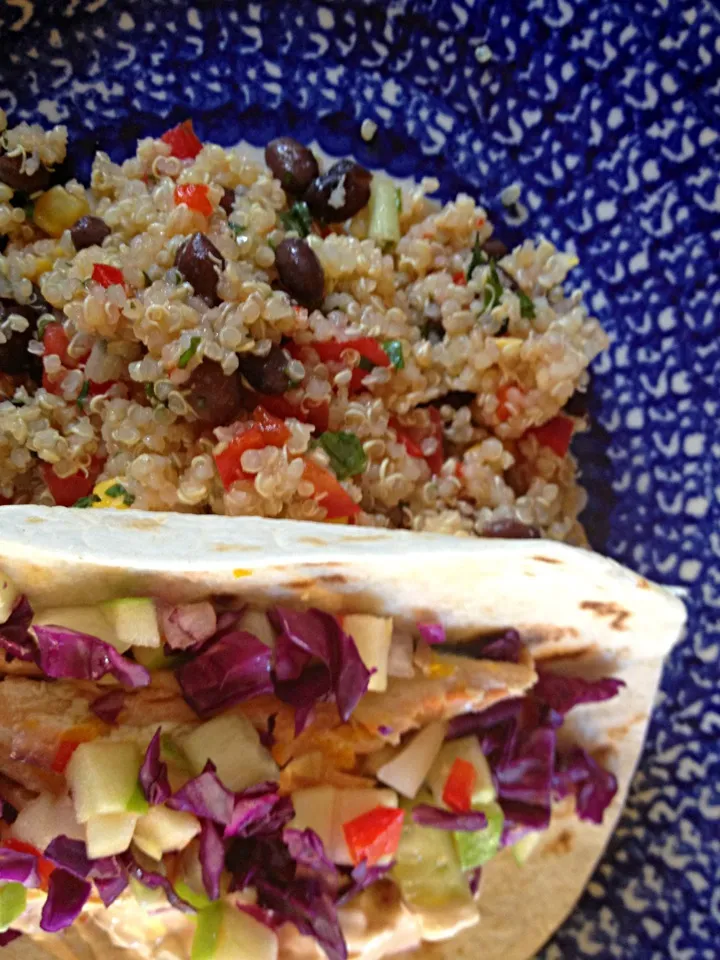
(198, 331)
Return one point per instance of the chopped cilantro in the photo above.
(398, 200)
(43, 322)
(82, 396)
(237, 230)
(493, 288)
(297, 219)
(85, 502)
(347, 457)
(148, 281)
(118, 490)
(187, 355)
(29, 209)
(477, 259)
(527, 307)
(394, 350)
(366, 364)
(150, 391)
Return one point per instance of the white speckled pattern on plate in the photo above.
(608, 116)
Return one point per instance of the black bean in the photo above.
(89, 232)
(227, 200)
(14, 356)
(510, 530)
(433, 331)
(215, 398)
(293, 164)
(577, 405)
(200, 263)
(266, 374)
(12, 175)
(495, 248)
(340, 193)
(300, 272)
(457, 399)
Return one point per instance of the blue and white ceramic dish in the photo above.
(608, 116)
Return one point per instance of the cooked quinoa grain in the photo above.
(186, 327)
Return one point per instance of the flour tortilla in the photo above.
(586, 613)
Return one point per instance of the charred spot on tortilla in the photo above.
(560, 845)
(623, 729)
(618, 615)
(338, 578)
(547, 560)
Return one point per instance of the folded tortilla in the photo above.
(586, 614)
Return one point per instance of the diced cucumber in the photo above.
(153, 658)
(372, 636)
(225, 933)
(8, 596)
(525, 846)
(468, 749)
(384, 214)
(408, 769)
(314, 810)
(350, 804)
(233, 745)
(256, 622)
(109, 834)
(103, 777)
(162, 831)
(432, 883)
(134, 620)
(13, 900)
(89, 620)
(476, 848)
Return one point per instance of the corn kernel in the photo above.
(57, 210)
(109, 498)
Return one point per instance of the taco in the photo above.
(272, 740)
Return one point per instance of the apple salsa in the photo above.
(256, 774)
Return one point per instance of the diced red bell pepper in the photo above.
(98, 389)
(195, 196)
(71, 740)
(66, 491)
(459, 279)
(264, 431)
(374, 835)
(45, 867)
(318, 414)
(107, 276)
(56, 342)
(459, 786)
(503, 410)
(369, 349)
(556, 434)
(184, 144)
(329, 493)
(412, 438)
(64, 754)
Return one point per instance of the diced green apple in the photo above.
(467, 749)
(225, 933)
(147, 897)
(110, 833)
(46, 817)
(13, 901)
(191, 896)
(134, 620)
(8, 596)
(103, 776)
(256, 622)
(162, 831)
(314, 810)
(372, 636)
(525, 846)
(233, 745)
(153, 658)
(89, 620)
(408, 769)
(476, 848)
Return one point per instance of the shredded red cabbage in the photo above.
(14, 637)
(109, 706)
(308, 851)
(234, 668)
(309, 908)
(154, 773)
(506, 646)
(19, 867)
(67, 895)
(8, 937)
(362, 877)
(562, 693)
(70, 655)
(526, 777)
(71, 855)
(110, 888)
(205, 797)
(212, 858)
(426, 815)
(594, 788)
(432, 633)
(316, 660)
(259, 810)
(474, 880)
(155, 881)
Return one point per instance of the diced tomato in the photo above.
(459, 279)
(329, 493)
(68, 490)
(460, 470)
(264, 431)
(459, 786)
(412, 438)
(107, 276)
(556, 434)
(374, 835)
(317, 414)
(184, 144)
(56, 343)
(98, 389)
(45, 867)
(369, 349)
(503, 410)
(195, 196)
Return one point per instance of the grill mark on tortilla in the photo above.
(602, 609)
(623, 729)
(547, 560)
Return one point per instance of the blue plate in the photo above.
(607, 114)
